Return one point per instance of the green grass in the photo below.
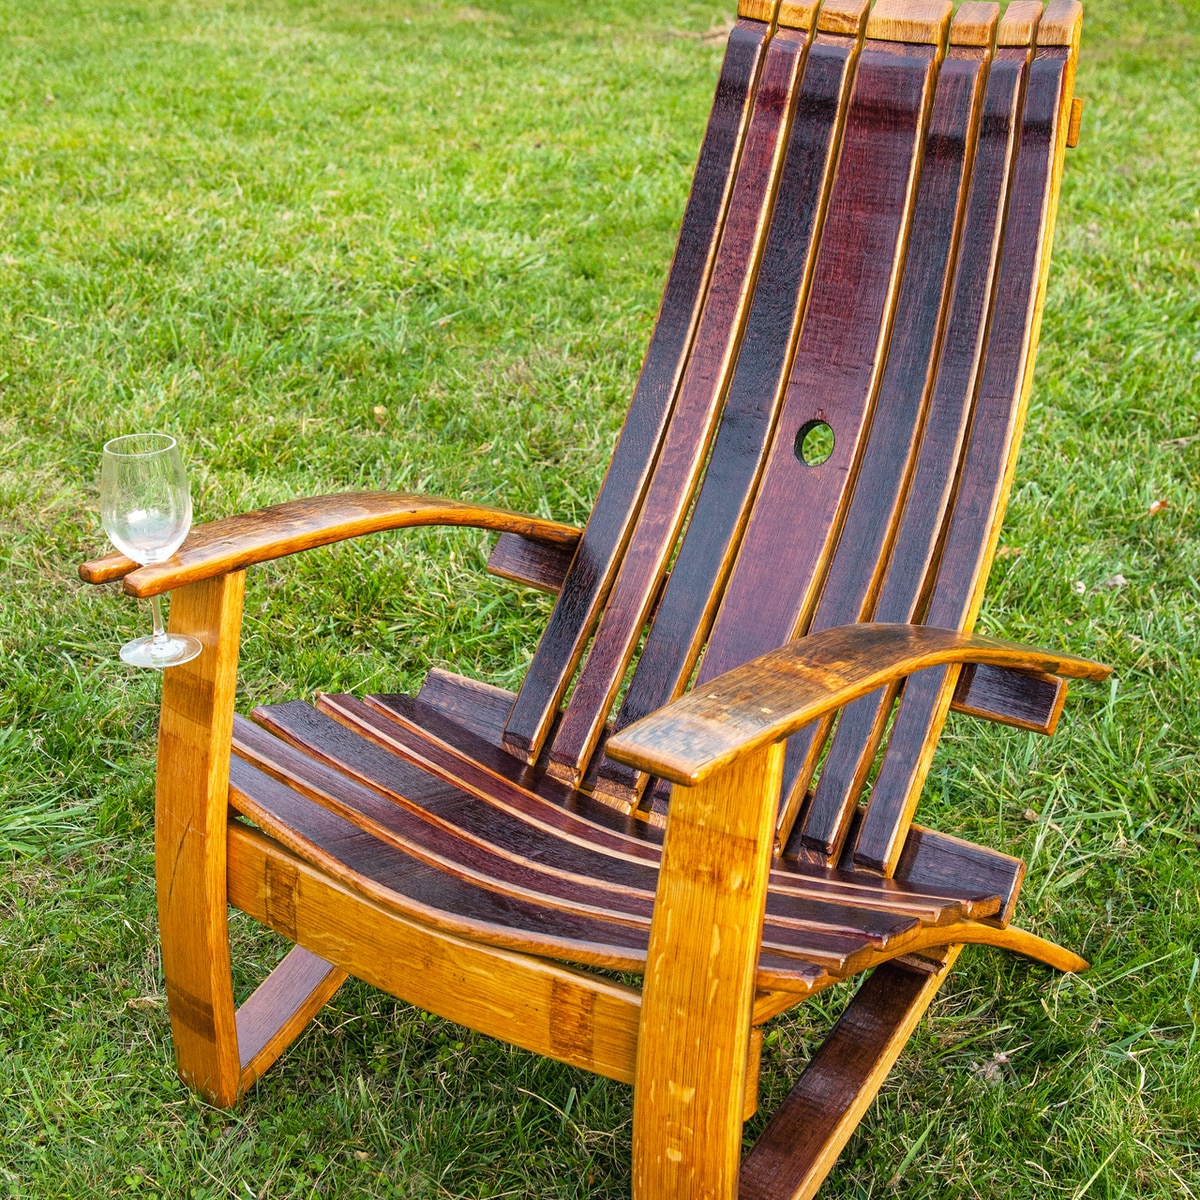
(252, 224)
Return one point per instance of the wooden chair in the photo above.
(863, 256)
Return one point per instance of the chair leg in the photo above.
(805, 1136)
(191, 815)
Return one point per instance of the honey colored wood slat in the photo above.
(858, 562)
(1076, 125)
(619, 500)
(698, 576)
(757, 10)
(700, 398)
(268, 533)
(1021, 699)
(797, 14)
(280, 1007)
(915, 544)
(774, 581)
(550, 1009)
(1061, 25)
(975, 24)
(773, 696)
(918, 21)
(535, 564)
(803, 1139)
(190, 815)
(1018, 26)
(845, 17)
(990, 457)
(699, 986)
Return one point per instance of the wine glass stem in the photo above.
(159, 643)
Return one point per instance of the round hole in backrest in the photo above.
(814, 443)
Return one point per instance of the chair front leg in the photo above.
(191, 814)
(698, 994)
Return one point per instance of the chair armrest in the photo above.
(235, 542)
(770, 698)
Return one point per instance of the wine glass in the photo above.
(146, 510)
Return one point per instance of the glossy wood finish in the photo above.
(847, 18)
(990, 459)
(772, 697)
(700, 398)
(1024, 700)
(804, 1137)
(190, 812)
(718, 520)
(773, 584)
(932, 477)
(699, 986)
(974, 24)
(228, 545)
(917, 21)
(540, 565)
(858, 563)
(619, 500)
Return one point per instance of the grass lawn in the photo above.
(347, 243)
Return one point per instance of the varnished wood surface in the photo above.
(1018, 26)
(701, 395)
(190, 812)
(919, 21)
(268, 533)
(933, 476)
(1061, 25)
(545, 1007)
(541, 565)
(990, 457)
(1022, 699)
(845, 17)
(804, 1137)
(697, 1003)
(773, 583)
(698, 576)
(619, 500)
(975, 23)
(861, 556)
(783, 691)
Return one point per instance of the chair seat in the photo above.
(386, 796)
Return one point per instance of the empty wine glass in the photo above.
(146, 510)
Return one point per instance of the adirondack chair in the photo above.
(863, 257)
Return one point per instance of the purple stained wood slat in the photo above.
(837, 361)
(861, 724)
(904, 390)
(989, 461)
(697, 578)
(535, 564)
(685, 445)
(603, 541)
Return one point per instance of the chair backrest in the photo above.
(863, 255)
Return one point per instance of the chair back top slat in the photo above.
(599, 551)
(684, 447)
(697, 578)
(990, 458)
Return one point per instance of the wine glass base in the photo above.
(175, 649)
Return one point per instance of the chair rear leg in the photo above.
(805, 1136)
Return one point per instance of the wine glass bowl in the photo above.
(146, 510)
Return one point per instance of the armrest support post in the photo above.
(698, 992)
(191, 815)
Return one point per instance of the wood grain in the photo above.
(269, 533)
(917, 21)
(698, 991)
(718, 520)
(797, 14)
(990, 457)
(1024, 700)
(190, 814)
(539, 565)
(1019, 24)
(701, 395)
(837, 363)
(857, 564)
(914, 550)
(619, 500)
(975, 23)
(845, 17)
(803, 1139)
(772, 697)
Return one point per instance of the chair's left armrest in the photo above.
(772, 697)
(235, 542)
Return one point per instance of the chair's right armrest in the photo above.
(232, 543)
